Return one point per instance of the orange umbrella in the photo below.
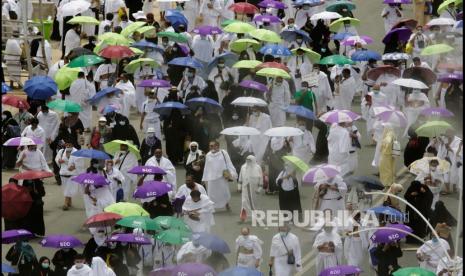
(103, 219)
(273, 65)
(30, 175)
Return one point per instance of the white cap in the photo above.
(151, 130)
(139, 15)
(102, 119)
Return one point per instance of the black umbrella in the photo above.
(369, 182)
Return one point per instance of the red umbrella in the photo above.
(273, 65)
(16, 201)
(409, 23)
(30, 175)
(15, 101)
(420, 73)
(116, 52)
(103, 219)
(374, 73)
(243, 7)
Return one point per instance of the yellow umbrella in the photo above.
(249, 64)
(334, 27)
(422, 166)
(114, 146)
(312, 55)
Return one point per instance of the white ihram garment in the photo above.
(279, 252)
(339, 144)
(324, 259)
(70, 188)
(280, 98)
(259, 143)
(251, 178)
(205, 209)
(249, 242)
(128, 160)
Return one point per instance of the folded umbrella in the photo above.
(94, 179)
(5, 88)
(389, 233)
(272, 4)
(31, 175)
(92, 154)
(40, 87)
(253, 85)
(147, 170)
(249, 102)
(283, 132)
(433, 129)
(22, 141)
(102, 93)
(211, 241)
(275, 50)
(266, 18)
(154, 83)
(85, 61)
(340, 270)
(145, 223)
(11, 236)
(207, 30)
(365, 55)
(129, 238)
(265, 35)
(374, 73)
(325, 15)
(339, 116)
(239, 27)
(242, 44)
(423, 74)
(64, 105)
(243, 7)
(178, 38)
(410, 83)
(152, 189)
(114, 146)
(301, 112)
(401, 34)
(296, 162)
(240, 131)
(174, 236)
(186, 62)
(413, 271)
(209, 105)
(437, 112)
(320, 173)
(103, 220)
(61, 241)
(166, 108)
(240, 271)
(16, 201)
(126, 209)
(171, 223)
(291, 35)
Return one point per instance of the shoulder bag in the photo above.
(290, 255)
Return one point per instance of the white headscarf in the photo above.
(193, 154)
(100, 268)
(250, 171)
(276, 143)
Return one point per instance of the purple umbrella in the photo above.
(14, 235)
(454, 77)
(340, 270)
(162, 271)
(267, 18)
(152, 188)
(384, 235)
(437, 111)
(94, 179)
(394, 117)
(339, 116)
(320, 173)
(60, 241)
(397, 2)
(352, 40)
(193, 269)
(22, 141)
(272, 4)
(207, 30)
(146, 170)
(129, 238)
(154, 83)
(253, 85)
(402, 34)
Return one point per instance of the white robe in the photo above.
(455, 265)
(50, 123)
(127, 162)
(355, 249)
(203, 48)
(251, 178)
(12, 56)
(433, 252)
(70, 188)
(280, 98)
(339, 144)
(323, 94)
(84, 271)
(142, 73)
(251, 242)
(301, 63)
(185, 85)
(367, 111)
(79, 92)
(191, 12)
(411, 111)
(72, 40)
(189, 253)
(115, 176)
(151, 119)
(303, 146)
(210, 16)
(38, 133)
(127, 97)
(327, 260)
(33, 160)
(347, 90)
(104, 198)
(226, 75)
(184, 191)
(279, 252)
(167, 166)
(205, 208)
(396, 97)
(333, 200)
(102, 70)
(259, 142)
(391, 19)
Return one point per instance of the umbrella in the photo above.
(31, 175)
(65, 76)
(73, 8)
(114, 146)
(227, 22)
(338, 23)
(110, 108)
(240, 271)
(61, 241)
(387, 211)
(102, 220)
(16, 201)
(79, 51)
(243, 7)
(325, 15)
(273, 64)
(229, 60)
(239, 27)
(273, 73)
(378, 109)
(336, 59)
(140, 62)
(248, 64)
(126, 209)
(395, 56)
(145, 223)
(94, 179)
(186, 62)
(64, 105)
(413, 271)
(22, 141)
(240, 131)
(436, 49)
(433, 129)
(423, 74)
(129, 238)
(267, 18)
(421, 166)
(132, 27)
(8, 269)
(249, 101)
(176, 18)
(112, 39)
(85, 61)
(15, 101)
(253, 85)
(311, 3)
(397, 2)
(451, 78)
(340, 270)
(152, 189)
(411, 83)
(301, 111)
(272, 4)
(275, 50)
(116, 52)
(365, 55)
(171, 223)
(41, 87)
(144, 44)
(369, 182)
(5, 88)
(402, 34)
(146, 170)
(102, 93)
(242, 44)
(444, 5)
(166, 108)
(211, 241)
(207, 30)
(92, 154)
(342, 36)
(441, 22)
(179, 38)
(352, 40)
(394, 117)
(339, 116)
(193, 269)
(283, 132)
(320, 173)
(385, 235)
(436, 111)
(374, 73)
(209, 105)
(291, 35)
(174, 236)
(154, 83)
(265, 35)
(296, 162)
(83, 20)
(162, 271)
(14, 235)
(339, 5)
(409, 23)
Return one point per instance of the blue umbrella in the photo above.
(212, 242)
(342, 36)
(299, 3)
(176, 18)
(210, 106)
(369, 182)
(275, 50)
(40, 87)
(301, 111)
(388, 211)
(228, 57)
(186, 62)
(109, 108)
(7, 269)
(5, 88)
(459, 25)
(240, 271)
(165, 109)
(91, 153)
(365, 55)
(144, 44)
(102, 94)
(290, 35)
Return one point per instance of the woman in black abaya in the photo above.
(415, 148)
(10, 129)
(34, 220)
(420, 196)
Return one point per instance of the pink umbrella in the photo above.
(22, 141)
(352, 40)
(437, 111)
(395, 117)
(378, 109)
(320, 173)
(339, 116)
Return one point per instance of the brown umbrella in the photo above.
(374, 73)
(16, 201)
(420, 73)
(409, 23)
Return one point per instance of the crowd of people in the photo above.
(187, 96)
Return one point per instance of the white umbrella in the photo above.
(249, 101)
(411, 83)
(441, 22)
(382, 108)
(325, 15)
(283, 132)
(240, 131)
(74, 7)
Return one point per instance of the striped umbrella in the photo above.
(320, 173)
(339, 116)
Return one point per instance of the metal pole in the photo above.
(26, 41)
(43, 35)
(459, 222)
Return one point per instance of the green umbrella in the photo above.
(137, 51)
(85, 61)
(265, 35)
(338, 5)
(227, 22)
(413, 271)
(336, 59)
(168, 222)
(131, 28)
(145, 223)
(114, 146)
(436, 49)
(83, 20)
(137, 63)
(173, 36)
(334, 27)
(174, 236)
(238, 28)
(273, 73)
(243, 43)
(312, 55)
(433, 129)
(446, 3)
(64, 105)
(126, 209)
(297, 162)
(146, 29)
(114, 39)
(249, 64)
(65, 76)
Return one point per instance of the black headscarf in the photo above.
(210, 91)
(441, 214)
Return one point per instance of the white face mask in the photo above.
(68, 149)
(298, 40)
(79, 265)
(301, 127)
(3, 116)
(256, 113)
(235, 117)
(283, 234)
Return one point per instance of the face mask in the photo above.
(433, 169)
(102, 124)
(221, 66)
(3, 117)
(304, 88)
(305, 8)
(346, 25)
(122, 123)
(190, 74)
(175, 49)
(79, 265)
(298, 40)
(301, 127)
(45, 265)
(434, 240)
(375, 91)
(165, 44)
(291, 25)
(69, 149)
(235, 117)
(323, 50)
(327, 229)
(256, 113)
(278, 83)
(245, 236)
(283, 234)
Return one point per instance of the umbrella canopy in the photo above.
(421, 166)
(240, 271)
(178, 38)
(433, 129)
(423, 74)
(239, 28)
(65, 76)
(301, 112)
(273, 64)
(174, 236)
(352, 40)
(186, 62)
(83, 20)
(31, 175)
(94, 179)
(338, 23)
(325, 15)
(249, 102)
(193, 269)
(85, 61)
(451, 78)
(273, 73)
(40, 87)
(296, 162)
(311, 3)
(441, 22)
(339, 116)
(22, 141)
(320, 173)
(272, 4)
(240, 131)
(64, 105)
(209, 105)
(387, 211)
(385, 235)
(229, 60)
(397, 2)
(378, 109)
(8, 269)
(341, 36)
(248, 64)
(291, 35)
(114, 146)
(129, 238)
(409, 23)
(110, 108)
(365, 55)
(207, 30)
(102, 93)
(15, 101)
(116, 52)
(103, 220)
(140, 62)
(394, 117)
(166, 108)
(176, 18)
(171, 223)
(154, 83)
(145, 223)
(14, 235)
(265, 35)
(436, 49)
(436, 112)
(373, 74)
(395, 56)
(73, 8)
(132, 27)
(79, 51)
(242, 44)
(144, 44)
(152, 189)
(253, 85)
(212, 242)
(275, 50)
(126, 209)
(147, 170)
(339, 5)
(340, 270)
(283, 132)
(92, 154)
(16, 201)
(413, 271)
(446, 3)
(5, 88)
(267, 18)
(61, 241)
(402, 34)
(369, 182)
(243, 8)
(411, 83)
(336, 59)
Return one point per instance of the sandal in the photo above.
(65, 207)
